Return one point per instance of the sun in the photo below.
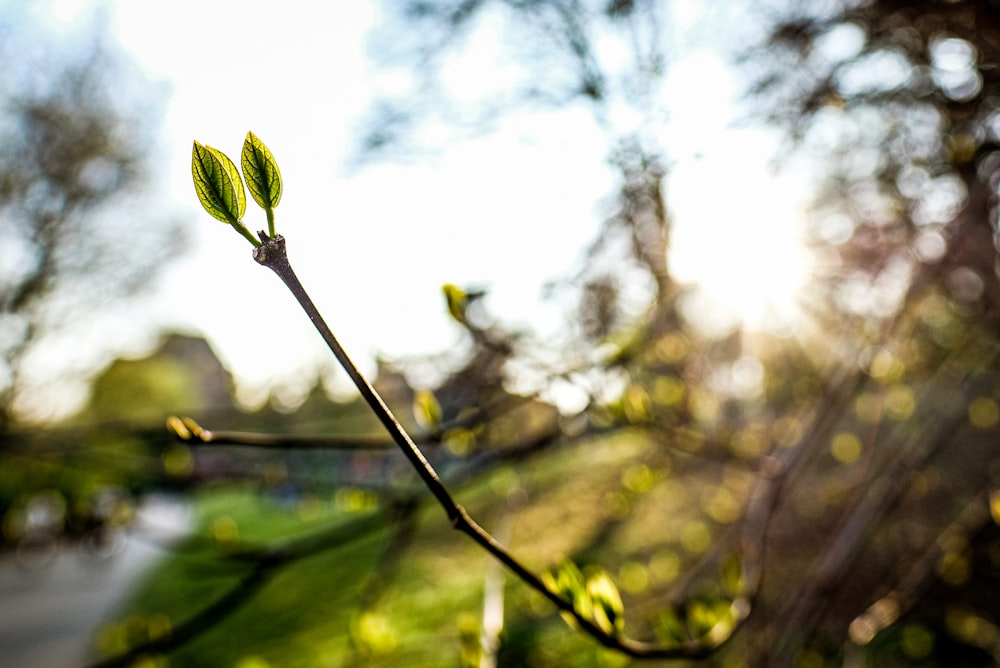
(737, 236)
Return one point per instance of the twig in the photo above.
(272, 254)
(187, 429)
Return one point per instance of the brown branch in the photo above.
(272, 254)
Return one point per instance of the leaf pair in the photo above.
(220, 188)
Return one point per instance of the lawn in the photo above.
(363, 589)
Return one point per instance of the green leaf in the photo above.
(218, 184)
(701, 617)
(671, 627)
(457, 299)
(567, 581)
(426, 409)
(261, 172)
(234, 176)
(608, 609)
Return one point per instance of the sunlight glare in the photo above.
(737, 225)
(742, 249)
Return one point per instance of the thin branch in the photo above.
(272, 254)
(187, 429)
(904, 596)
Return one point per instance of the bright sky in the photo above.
(510, 210)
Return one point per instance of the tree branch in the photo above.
(273, 255)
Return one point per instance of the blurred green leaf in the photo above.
(218, 184)
(732, 575)
(595, 597)
(700, 617)
(261, 172)
(670, 626)
(457, 300)
(608, 609)
(710, 619)
(426, 409)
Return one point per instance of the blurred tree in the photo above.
(900, 100)
(75, 123)
(606, 59)
(182, 375)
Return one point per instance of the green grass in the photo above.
(320, 611)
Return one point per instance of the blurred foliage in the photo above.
(82, 479)
(76, 124)
(900, 102)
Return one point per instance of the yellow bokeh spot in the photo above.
(748, 443)
(845, 447)
(704, 405)
(900, 402)
(665, 566)
(672, 348)
(459, 441)
(373, 632)
(995, 505)
(885, 366)
(721, 505)
(225, 533)
(954, 568)
(633, 577)
(355, 499)
(868, 407)
(917, 642)
(984, 413)
(971, 628)
(638, 478)
(668, 390)
(178, 461)
(696, 537)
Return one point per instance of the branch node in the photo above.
(271, 253)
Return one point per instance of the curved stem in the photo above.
(242, 229)
(270, 222)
